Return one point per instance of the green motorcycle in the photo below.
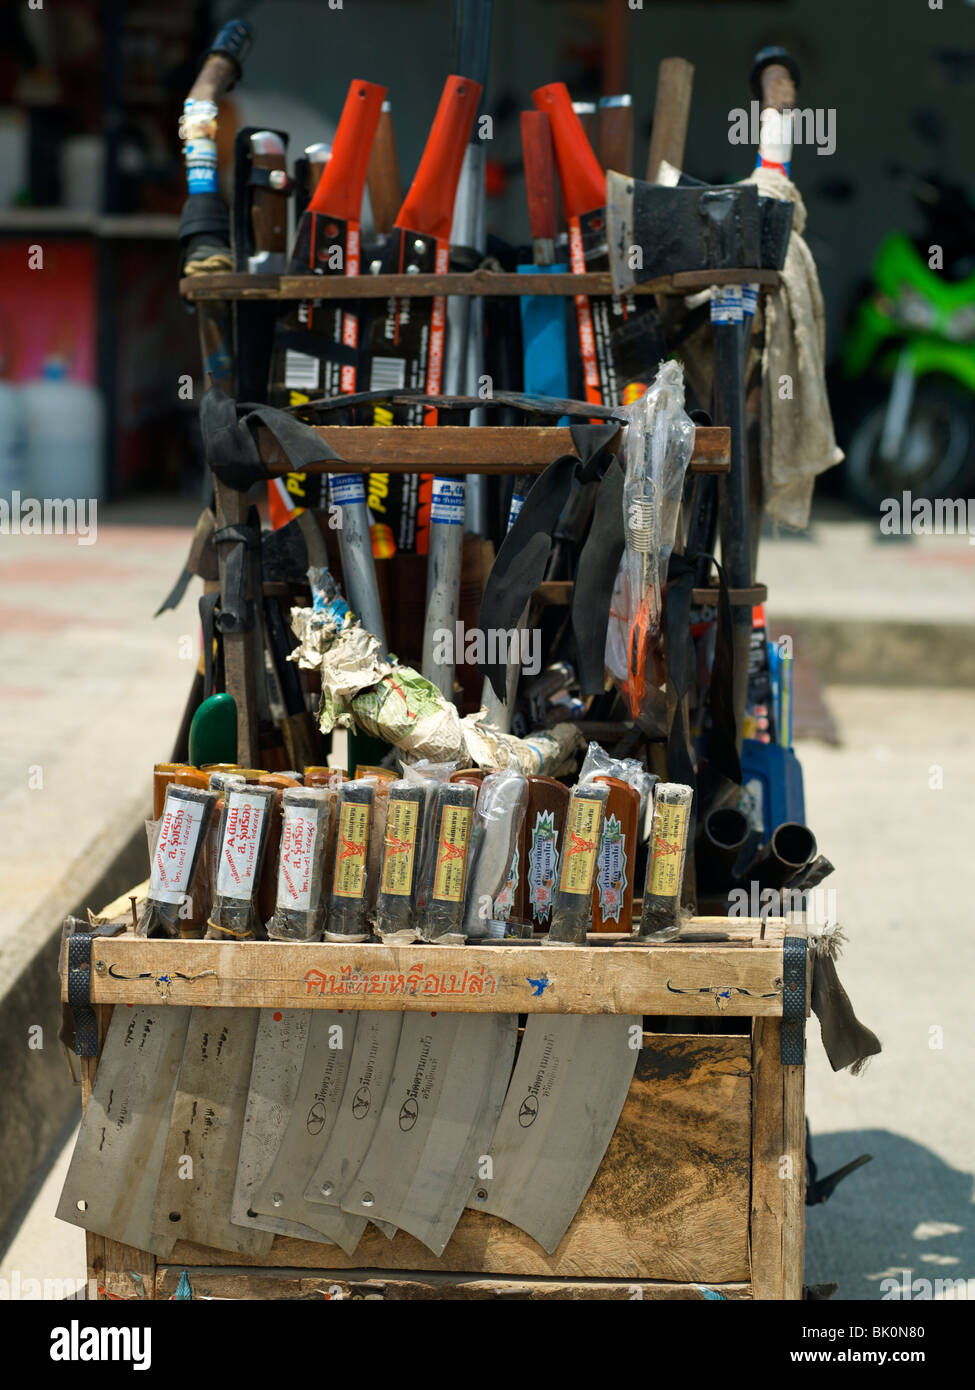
(908, 363)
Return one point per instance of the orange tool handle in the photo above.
(339, 191)
(583, 182)
(429, 206)
(539, 158)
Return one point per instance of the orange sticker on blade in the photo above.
(582, 835)
(350, 850)
(399, 848)
(452, 846)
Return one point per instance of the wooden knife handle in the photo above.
(614, 134)
(383, 176)
(671, 112)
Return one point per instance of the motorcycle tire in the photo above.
(937, 456)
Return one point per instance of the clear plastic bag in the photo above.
(500, 812)
(657, 449)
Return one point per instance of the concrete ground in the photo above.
(96, 688)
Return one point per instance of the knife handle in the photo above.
(429, 205)
(614, 133)
(339, 191)
(583, 182)
(269, 206)
(222, 65)
(383, 175)
(539, 157)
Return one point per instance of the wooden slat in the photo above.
(669, 1202)
(451, 449)
(697, 979)
(558, 593)
(232, 285)
(777, 1225)
(362, 1284)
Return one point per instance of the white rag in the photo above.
(797, 439)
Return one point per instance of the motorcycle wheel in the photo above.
(937, 455)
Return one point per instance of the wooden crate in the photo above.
(700, 1194)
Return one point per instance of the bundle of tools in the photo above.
(476, 815)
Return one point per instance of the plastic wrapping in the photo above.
(397, 898)
(598, 763)
(306, 815)
(657, 449)
(244, 828)
(500, 812)
(348, 901)
(661, 917)
(446, 864)
(572, 907)
(177, 852)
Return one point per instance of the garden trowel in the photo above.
(314, 1110)
(193, 1200)
(443, 1103)
(118, 1157)
(569, 1085)
(278, 1056)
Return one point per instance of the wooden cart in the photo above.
(700, 1194)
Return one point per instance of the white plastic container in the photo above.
(65, 433)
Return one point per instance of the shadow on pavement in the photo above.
(907, 1210)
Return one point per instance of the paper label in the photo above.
(175, 849)
(726, 305)
(581, 844)
(299, 834)
(543, 865)
(669, 837)
(452, 846)
(346, 488)
(505, 900)
(447, 501)
(350, 850)
(399, 848)
(237, 874)
(611, 874)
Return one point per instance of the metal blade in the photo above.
(370, 1069)
(276, 1071)
(619, 230)
(444, 1099)
(314, 1111)
(196, 1187)
(117, 1160)
(563, 1104)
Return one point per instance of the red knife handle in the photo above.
(539, 158)
(339, 191)
(428, 208)
(583, 182)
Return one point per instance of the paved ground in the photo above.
(92, 689)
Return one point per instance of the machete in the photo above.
(327, 242)
(443, 1103)
(572, 1075)
(619, 343)
(451, 496)
(313, 1114)
(118, 1156)
(406, 337)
